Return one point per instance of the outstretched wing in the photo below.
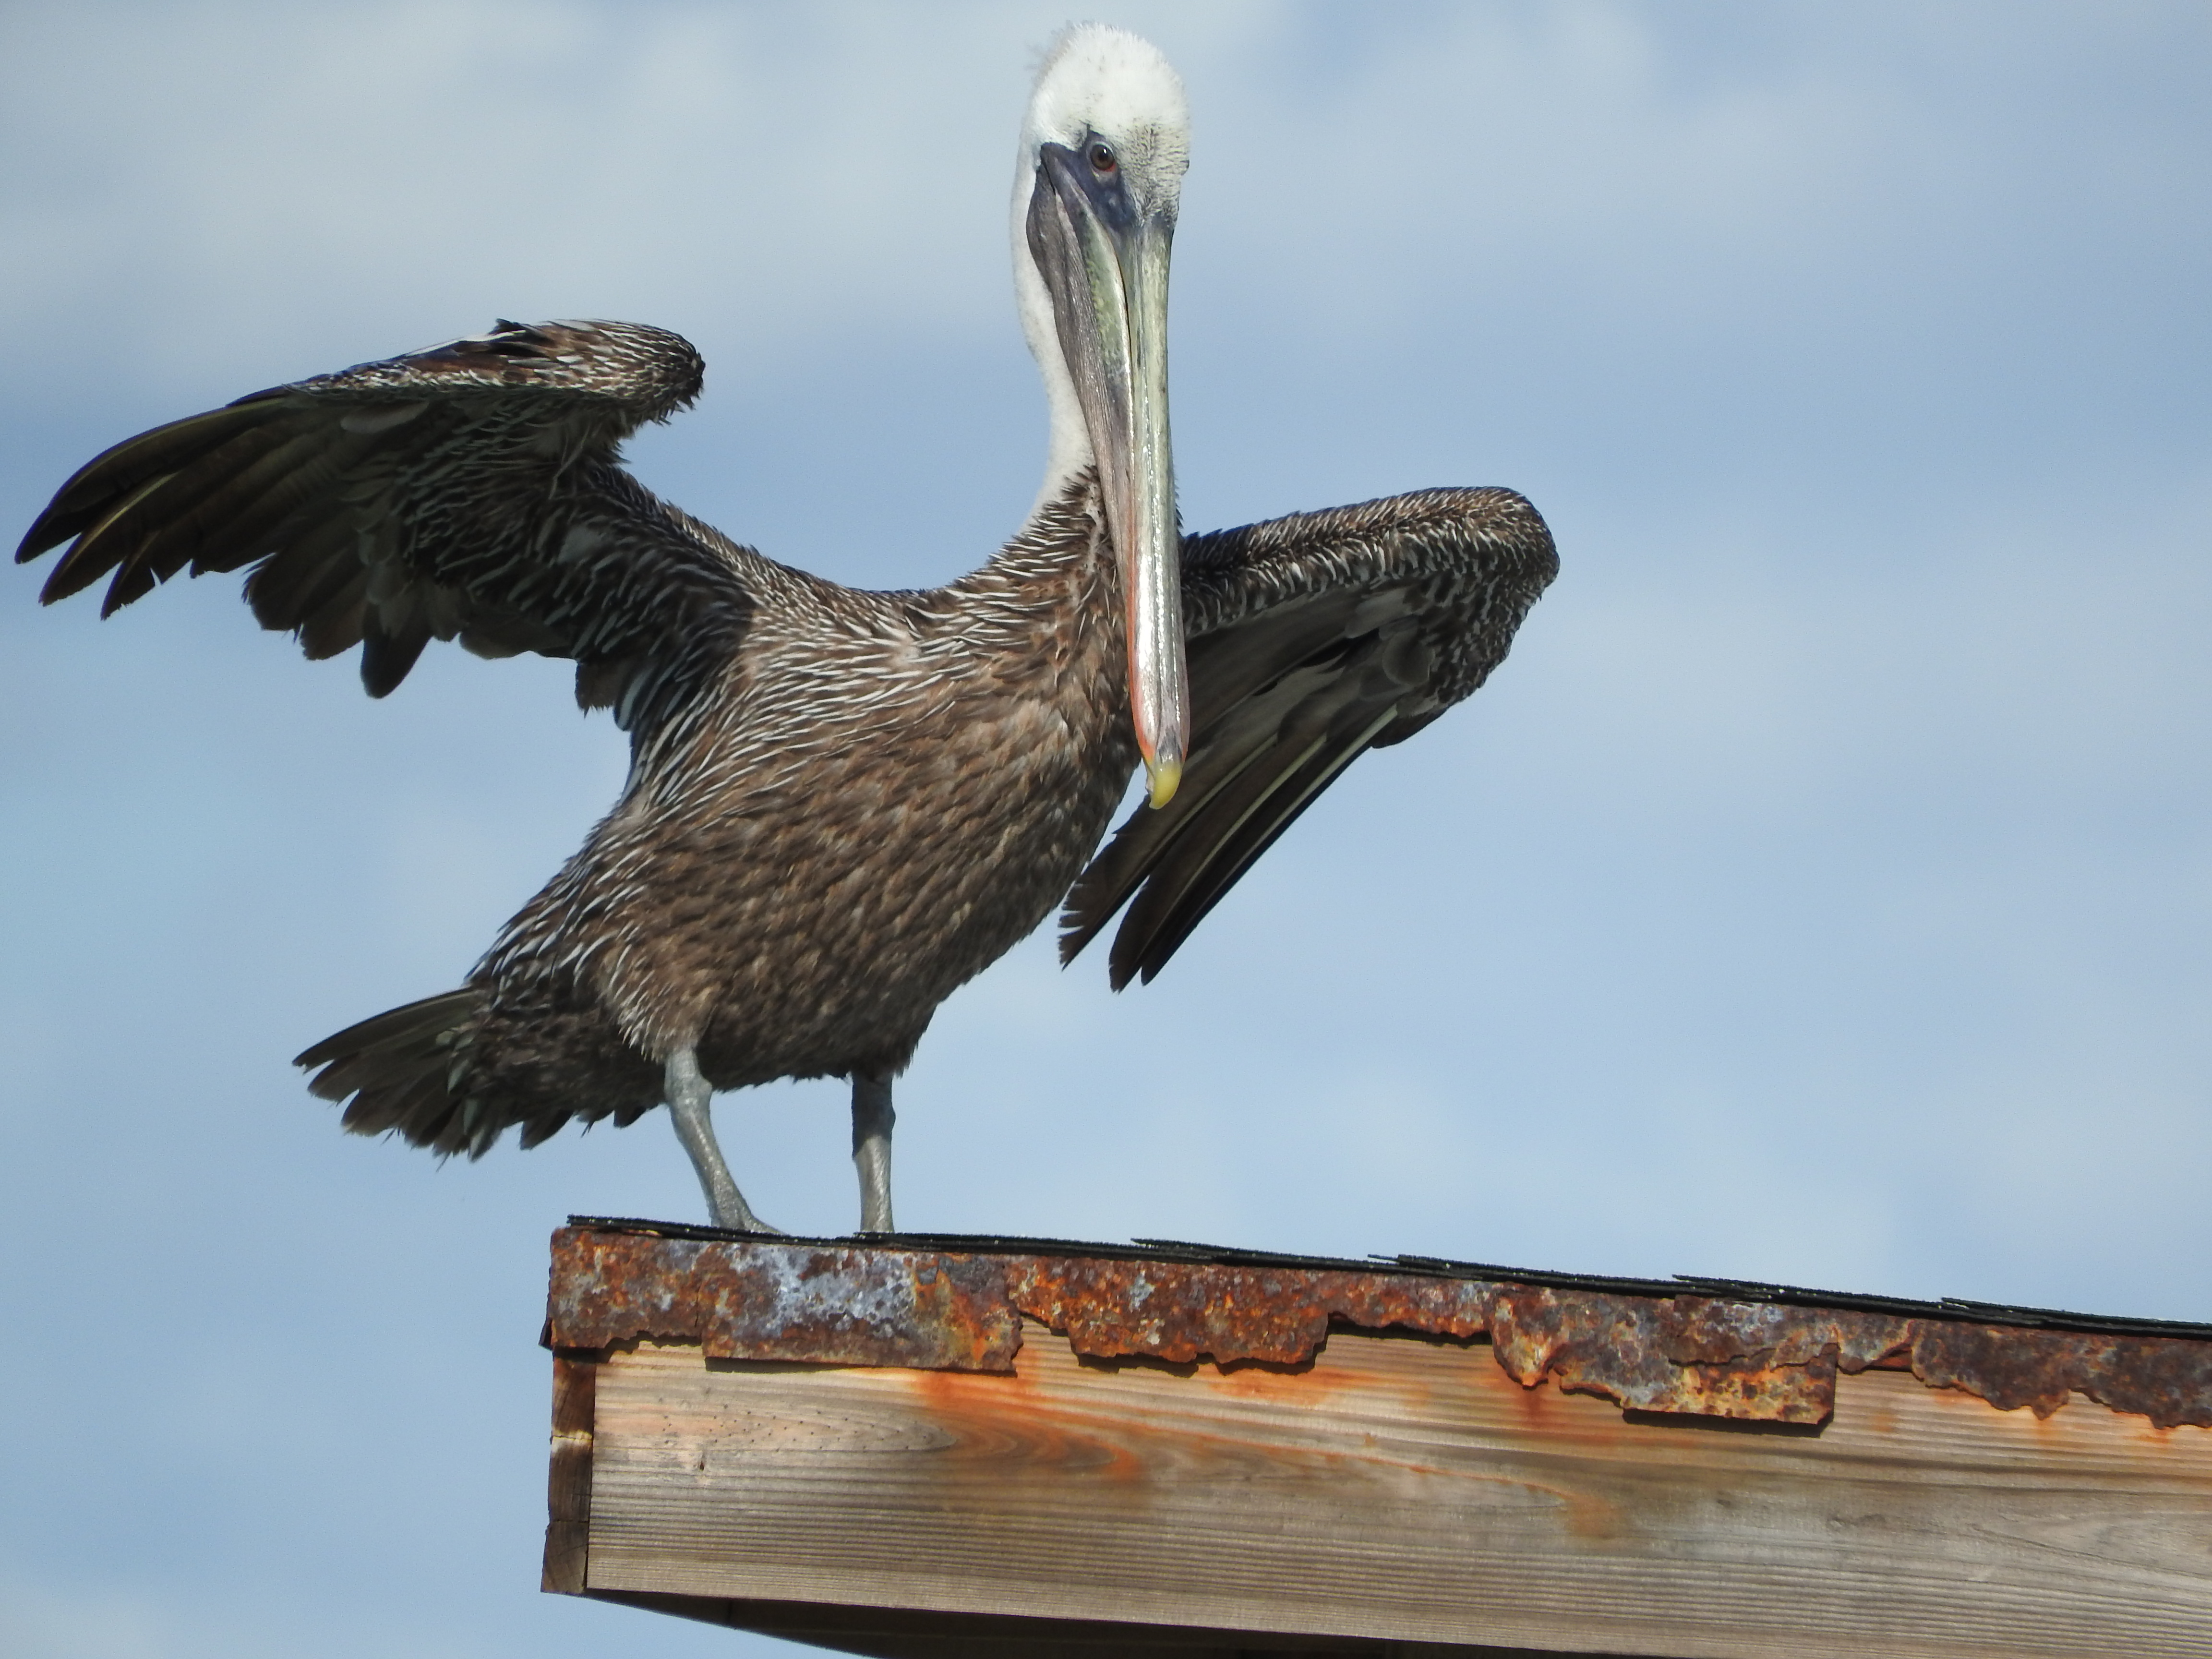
(1312, 639)
(471, 491)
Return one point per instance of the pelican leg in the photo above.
(871, 1148)
(690, 1103)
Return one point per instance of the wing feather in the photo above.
(471, 491)
(1312, 639)
(82, 566)
(240, 518)
(335, 624)
(294, 583)
(91, 492)
(1200, 868)
(1236, 740)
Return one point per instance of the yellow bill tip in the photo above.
(1164, 776)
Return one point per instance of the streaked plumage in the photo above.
(842, 805)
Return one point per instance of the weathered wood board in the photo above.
(1398, 1487)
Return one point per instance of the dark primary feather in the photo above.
(471, 491)
(1312, 639)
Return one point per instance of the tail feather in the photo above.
(407, 1070)
(432, 1014)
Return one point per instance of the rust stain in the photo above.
(1182, 1312)
(2166, 1380)
(830, 1304)
(1689, 1353)
(986, 1414)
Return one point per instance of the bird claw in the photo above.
(740, 1218)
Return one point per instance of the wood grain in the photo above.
(1402, 1488)
(568, 1476)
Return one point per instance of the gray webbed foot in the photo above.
(690, 1103)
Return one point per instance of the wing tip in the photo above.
(40, 539)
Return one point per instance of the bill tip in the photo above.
(1165, 774)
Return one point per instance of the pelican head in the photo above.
(1103, 151)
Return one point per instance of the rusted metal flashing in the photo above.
(830, 1304)
(1691, 1355)
(2167, 1379)
(1181, 1311)
(1771, 1355)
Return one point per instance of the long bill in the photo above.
(1105, 262)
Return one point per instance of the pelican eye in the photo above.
(1101, 158)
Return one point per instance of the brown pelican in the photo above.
(841, 805)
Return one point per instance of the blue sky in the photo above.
(1822, 891)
